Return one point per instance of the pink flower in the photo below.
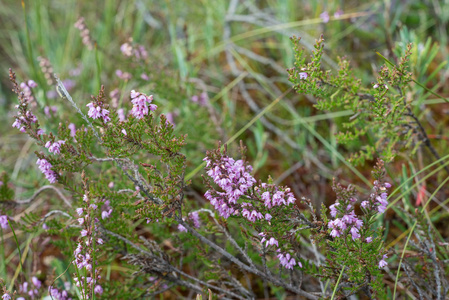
(140, 107)
(333, 209)
(272, 241)
(355, 233)
(338, 13)
(121, 115)
(126, 49)
(55, 147)
(6, 296)
(369, 239)
(303, 75)
(79, 211)
(286, 260)
(382, 262)
(36, 282)
(72, 129)
(195, 218)
(106, 214)
(4, 222)
(45, 168)
(123, 75)
(144, 76)
(182, 228)
(98, 289)
(268, 217)
(96, 112)
(325, 16)
(335, 233)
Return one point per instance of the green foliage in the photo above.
(382, 111)
(6, 192)
(358, 257)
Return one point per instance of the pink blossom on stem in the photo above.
(194, 216)
(72, 129)
(4, 222)
(95, 112)
(382, 262)
(55, 147)
(140, 107)
(45, 168)
(325, 16)
(182, 228)
(123, 75)
(303, 75)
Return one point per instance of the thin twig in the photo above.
(45, 187)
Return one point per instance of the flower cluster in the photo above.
(28, 93)
(241, 197)
(96, 111)
(202, 99)
(32, 291)
(6, 296)
(87, 276)
(287, 260)
(123, 75)
(376, 201)
(235, 179)
(54, 147)
(60, 295)
(140, 107)
(84, 33)
(115, 97)
(22, 121)
(138, 51)
(45, 168)
(72, 128)
(49, 110)
(194, 216)
(106, 210)
(47, 69)
(347, 222)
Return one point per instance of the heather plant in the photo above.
(382, 111)
(123, 220)
(271, 222)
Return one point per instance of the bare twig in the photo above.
(45, 187)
